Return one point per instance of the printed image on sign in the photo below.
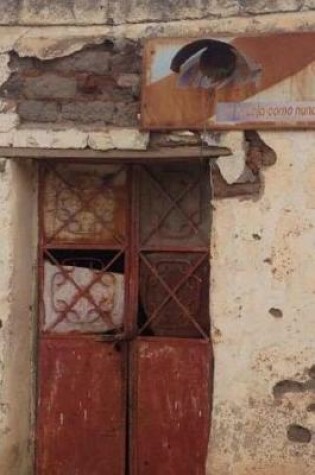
(224, 83)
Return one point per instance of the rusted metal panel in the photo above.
(175, 206)
(231, 82)
(174, 290)
(85, 205)
(174, 250)
(81, 409)
(96, 269)
(170, 427)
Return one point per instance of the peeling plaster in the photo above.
(232, 168)
(8, 122)
(4, 68)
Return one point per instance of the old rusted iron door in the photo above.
(171, 358)
(124, 355)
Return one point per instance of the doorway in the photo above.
(125, 362)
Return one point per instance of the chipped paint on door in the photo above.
(170, 427)
(124, 345)
(81, 426)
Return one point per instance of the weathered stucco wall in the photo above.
(17, 202)
(111, 12)
(263, 306)
(262, 289)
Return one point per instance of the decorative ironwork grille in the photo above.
(174, 250)
(124, 250)
(83, 248)
(85, 205)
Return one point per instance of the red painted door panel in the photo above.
(124, 255)
(81, 425)
(170, 424)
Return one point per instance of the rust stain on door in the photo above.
(81, 408)
(171, 394)
(124, 254)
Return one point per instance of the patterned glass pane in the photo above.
(85, 205)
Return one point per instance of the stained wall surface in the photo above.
(263, 303)
(17, 279)
(111, 12)
(262, 281)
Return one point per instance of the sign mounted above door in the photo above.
(229, 83)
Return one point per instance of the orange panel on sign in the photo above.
(226, 83)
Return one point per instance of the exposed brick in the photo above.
(50, 86)
(129, 83)
(87, 61)
(95, 85)
(128, 80)
(119, 95)
(95, 111)
(12, 87)
(19, 64)
(126, 114)
(38, 111)
(126, 62)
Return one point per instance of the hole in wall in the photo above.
(268, 260)
(256, 236)
(287, 386)
(300, 434)
(311, 372)
(276, 312)
(291, 386)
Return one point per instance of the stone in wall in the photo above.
(38, 111)
(140, 10)
(270, 6)
(9, 11)
(87, 112)
(38, 12)
(49, 86)
(57, 12)
(112, 12)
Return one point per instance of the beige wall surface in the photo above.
(17, 279)
(111, 12)
(263, 307)
(262, 281)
